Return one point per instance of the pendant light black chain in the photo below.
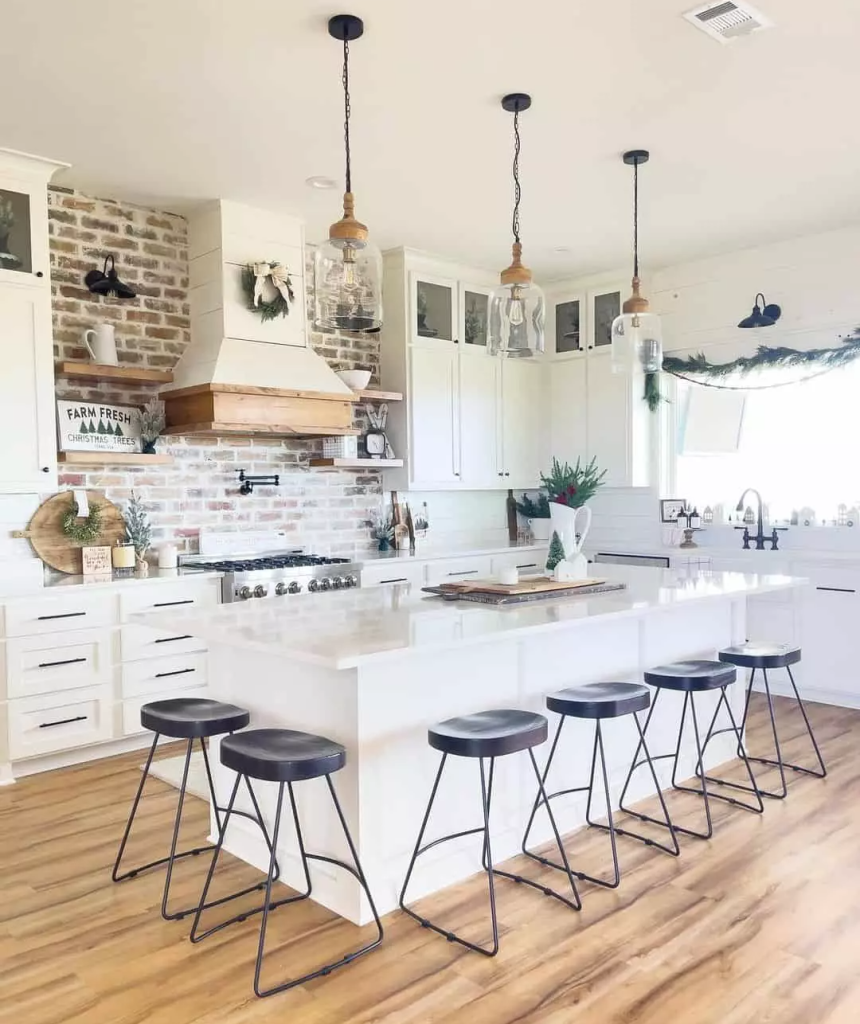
(515, 220)
(346, 113)
(636, 218)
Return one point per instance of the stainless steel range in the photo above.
(255, 573)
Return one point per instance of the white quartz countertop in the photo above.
(429, 552)
(347, 629)
(60, 583)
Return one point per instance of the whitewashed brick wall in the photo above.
(327, 511)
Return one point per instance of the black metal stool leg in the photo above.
(562, 719)
(703, 792)
(115, 875)
(795, 767)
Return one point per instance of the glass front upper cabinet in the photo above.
(16, 252)
(605, 307)
(435, 308)
(569, 327)
(475, 304)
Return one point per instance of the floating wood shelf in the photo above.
(356, 463)
(117, 374)
(258, 430)
(113, 459)
(372, 395)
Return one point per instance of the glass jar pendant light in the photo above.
(517, 305)
(347, 266)
(637, 337)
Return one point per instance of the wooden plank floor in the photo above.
(758, 926)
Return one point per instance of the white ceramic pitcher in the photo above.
(102, 347)
(565, 521)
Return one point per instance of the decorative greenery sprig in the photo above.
(573, 486)
(151, 420)
(534, 509)
(82, 530)
(279, 305)
(137, 525)
(698, 369)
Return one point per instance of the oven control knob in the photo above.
(243, 593)
(281, 589)
(350, 581)
(295, 587)
(325, 583)
(338, 582)
(260, 590)
(313, 586)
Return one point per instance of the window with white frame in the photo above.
(798, 444)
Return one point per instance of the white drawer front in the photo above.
(453, 569)
(131, 707)
(139, 642)
(527, 563)
(77, 610)
(165, 596)
(163, 674)
(46, 724)
(393, 573)
(39, 664)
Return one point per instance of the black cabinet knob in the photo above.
(39, 273)
(46, 469)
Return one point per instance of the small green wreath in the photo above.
(83, 532)
(255, 277)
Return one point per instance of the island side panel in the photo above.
(282, 693)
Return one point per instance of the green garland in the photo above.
(266, 310)
(87, 531)
(697, 367)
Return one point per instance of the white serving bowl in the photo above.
(355, 379)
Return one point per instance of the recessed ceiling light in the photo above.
(320, 181)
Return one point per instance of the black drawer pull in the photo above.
(63, 721)
(531, 565)
(839, 590)
(169, 604)
(63, 615)
(65, 661)
(400, 579)
(170, 639)
(178, 672)
(464, 572)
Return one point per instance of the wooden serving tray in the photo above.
(533, 585)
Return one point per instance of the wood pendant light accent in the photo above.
(232, 409)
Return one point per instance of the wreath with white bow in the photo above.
(268, 289)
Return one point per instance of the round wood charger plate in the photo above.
(45, 531)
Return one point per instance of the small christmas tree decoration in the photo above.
(139, 531)
(150, 421)
(556, 552)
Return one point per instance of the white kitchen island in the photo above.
(373, 669)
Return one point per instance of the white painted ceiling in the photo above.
(172, 101)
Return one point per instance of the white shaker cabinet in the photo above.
(27, 420)
(521, 414)
(434, 416)
(480, 445)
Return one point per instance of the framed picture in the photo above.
(605, 307)
(568, 326)
(94, 427)
(671, 508)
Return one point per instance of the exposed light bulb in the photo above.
(349, 277)
(516, 311)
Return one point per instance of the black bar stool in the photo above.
(489, 734)
(690, 678)
(283, 756)
(763, 656)
(193, 719)
(600, 701)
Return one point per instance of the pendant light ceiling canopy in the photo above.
(637, 342)
(347, 266)
(517, 309)
(764, 315)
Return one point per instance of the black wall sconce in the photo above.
(246, 483)
(765, 315)
(107, 282)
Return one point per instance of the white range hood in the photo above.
(236, 367)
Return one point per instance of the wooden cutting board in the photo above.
(45, 531)
(532, 585)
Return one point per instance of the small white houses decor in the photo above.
(94, 427)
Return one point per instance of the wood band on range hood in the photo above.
(236, 409)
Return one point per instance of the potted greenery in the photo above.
(536, 514)
(568, 489)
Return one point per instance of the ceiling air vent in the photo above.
(727, 21)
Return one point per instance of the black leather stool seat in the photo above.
(281, 755)
(192, 717)
(600, 700)
(488, 733)
(691, 675)
(761, 655)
